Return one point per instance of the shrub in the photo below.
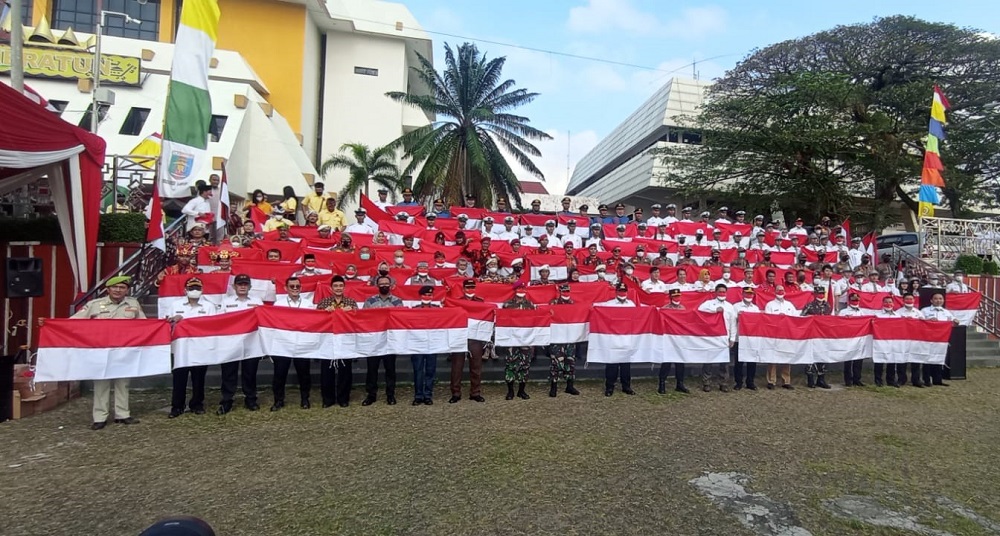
(122, 227)
(969, 264)
(44, 229)
(991, 268)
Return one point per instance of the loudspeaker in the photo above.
(956, 358)
(24, 277)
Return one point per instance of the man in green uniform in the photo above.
(816, 372)
(517, 359)
(562, 356)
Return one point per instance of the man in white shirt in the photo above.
(382, 202)
(295, 300)
(489, 229)
(855, 253)
(241, 301)
(780, 306)
(509, 232)
(361, 226)
(958, 286)
(193, 307)
(747, 281)
(309, 267)
(550, 231)
(671, 216)
(798, 229)
(852, 368)
(654, 283)
(422, 277)
(746, 305)
(727, 277)
(614, 371)
(571, 237)
(654, 220)
(932, 374)
(682, 283)
(723, 215)
(528, 240)
(711, 373)
(909, 310)
(758, 226)
(892, 370)
(198, 209)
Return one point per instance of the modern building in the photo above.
(312, 75)
(620, 168)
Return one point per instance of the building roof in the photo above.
(533, 187)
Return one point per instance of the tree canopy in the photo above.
(364, 165)
(462, 151)
(841, 114)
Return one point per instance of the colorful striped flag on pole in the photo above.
(930, 176)
(189, 105)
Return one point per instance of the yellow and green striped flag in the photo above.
(189, 106)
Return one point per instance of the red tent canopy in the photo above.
(35, 143)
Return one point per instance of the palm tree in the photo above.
(461, 153)
(364, 165)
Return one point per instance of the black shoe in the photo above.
(706, 388)
(477, 398)
(628, 390)
(98, 425)
(391, 400)
(428, 402)
(878, 383)
(305, 404)
(860, 383)
(810, 382)
(895, 384)
(369, 400)
(941, 383)
(344, 404)
(608, 392)
(821, 383)
(510, 391)
(788, 386)
(520, 392)
(553, 389)
(199, 411)
(737, 387)
(751, 386)
(277, 406)
(918, 385)
(222, 410)
(253, 406)
(570, 389)
(325, 405)
(724, 388)
(682, 389)
(127, 420)
(770, 387)
(662, 387)
(417, 402)
(174, 413)
(453, 399)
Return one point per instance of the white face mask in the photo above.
(628, 271)
(422, 273)
(908, 305)
(519, 294)
(470, 294)
(399, 260)
(425, 302)
(959, 278)
(194, 294)
(279, 217)
(726, 276)
(492, 269)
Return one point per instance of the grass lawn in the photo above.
(571, 465)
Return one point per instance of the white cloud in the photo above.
(696, 22)
(607, 16)
(553, 161)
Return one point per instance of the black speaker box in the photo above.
(24, 277)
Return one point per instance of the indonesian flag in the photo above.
(72, 349)
(475, 215)
(246, 254)
(570, 322)
(301, 333)
(611, 230)
(373, 211)
(154, 213)
(523, 327)
(493, 293)
(558, 265)
(868, 244)
(258, 218)
(308, 291)
(536, 221)
(290, 251)
(480, 318)
(829, 257)
(797, 340)
(360, 333)
(264, 276)
(222, 211)
(693, 337)
(582, 225)
(964, 306)
(728, 229)
(172, 292)
(910, 340)
(689, 229)
(651, 335)
(38, 99)
(413, 211)
(438, 330)
(871, 302)
(218, 339)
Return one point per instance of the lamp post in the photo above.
(101, 14)
(16, 47)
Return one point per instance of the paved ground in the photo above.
(860, 461)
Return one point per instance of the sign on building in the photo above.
(74, 65)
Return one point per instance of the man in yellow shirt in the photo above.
(315, 200)
(331, 216)
(277, 220)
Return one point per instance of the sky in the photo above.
(582, 100)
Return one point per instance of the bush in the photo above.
(44, 229)
(122, 227)
(970, 264)
(991, 268)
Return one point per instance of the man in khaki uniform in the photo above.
(115, 305)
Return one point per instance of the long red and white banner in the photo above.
(523, 327)
(651, 335)
(71, 349)
(207, 341)
(910, 340)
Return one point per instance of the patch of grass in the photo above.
(892, 440)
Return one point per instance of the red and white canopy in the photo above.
(34, 143)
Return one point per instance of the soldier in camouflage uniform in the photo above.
(562, 356)
(815, 372)
(517, 359)
(491, 272)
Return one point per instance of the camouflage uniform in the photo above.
(494, 278)
(816, 307)
(517, 359)
(562, 356)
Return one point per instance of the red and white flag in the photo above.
(296, 333)
(523, 327)
(693, 337)
(480, 318)
(154, 214)
(439, 330)
(214, 340)
(910, 340)
(964, 306)
(172, 291)
(222, 211)
(570, 323)
(624, 335)
(71, 349)
(795, 340)
(37, 98)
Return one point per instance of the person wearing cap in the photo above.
(636, 216)
(276, 220)
(502, 207)
(241, 301)
(408, 200)
(855, 252)
(464, 224)
(670, 217)
(346, 244)
(550, 233)
(673, 304)
(614, 372)
(620, 217)
(798, 229)
(723, 215)
(741, 216)
(116, 305)
(596, 236)
(620, 233)
(746, 305)
(196, 238)
(654, 220)
(424, 365)
(543, 276)
(570, 237)
(517, 359)
(602, 215)
(310, 268)
(819, 306)
(706, 216)
(713, 374)
(957, 285)
(758, 226)
(330, 215)
(193, 306)
(336, 375)
(536, 207)
(184, 264)
(295, 300)
(474, 355)
(584, 212)
(779, 306)
(491, 272)
(562, 357)
(489, 228)
(362, 226)
(222, 260)
(422, 276)
(565, 207)
(316, 199)
(509, 232)
(890, 369)
(852, 368)
(439, 209)
(383, 199)
(199, 209)
(934, 374)
(528, 239)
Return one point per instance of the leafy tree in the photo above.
(364, 165)
(461, 152)
(825, 121)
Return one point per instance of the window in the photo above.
(672, 136)
(691, 137)
(81, 15)
(102, 111)
(134, 121)
(216, 127)
(59, 105)
(367, 71)
(26, 7)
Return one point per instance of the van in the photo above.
(908, 242)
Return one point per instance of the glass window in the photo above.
(672, 136)
(59, 105)
(81, 15)
(102, 111)
(26, 7)
(216, 127)
(134, 121)
(691, 137)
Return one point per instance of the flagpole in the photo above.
(16, 46)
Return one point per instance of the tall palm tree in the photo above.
(461, 151)
(364, 165)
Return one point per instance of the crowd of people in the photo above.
(388, 246)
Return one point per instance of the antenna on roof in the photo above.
(694, 68)
(568, 136)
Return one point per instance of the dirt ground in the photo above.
(570, 465)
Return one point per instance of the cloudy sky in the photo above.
(582, 100)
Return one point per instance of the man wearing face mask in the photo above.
(654, 283)
(276, 221)
(779, 306)
(424, 365)
(933, 374)
(294, 300)
(309, 267)
(475, 357)
(909, 310)
(517, 359)
(491, 273)
(727, 278)
(687, 259)
(713, 374)
(601, 272)
(816, 372)
(958, 286)
(383, 299)
(741, 259)
(382, 271)
(193, 307)
(422, 277)
(230, 371)
(335, 375)
(891, 369)
(346, 244)
(852, 368)
(562, 356)
(673, 304)
(362, 226)
(399, 261)
(615, 371)
(746, 305)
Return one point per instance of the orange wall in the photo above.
(271, 36)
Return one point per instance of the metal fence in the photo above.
(945, 239)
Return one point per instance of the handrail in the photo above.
(923, 267)
(142, 266)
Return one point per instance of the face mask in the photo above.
(425, 301)
(350, 275)
(492, 269)
(600, 274)
(675, 301)
(383, 290)
(780, 294)
(399, 260)
(628, 271)
(687, 255)
(310, 264)
(366, 256)
(720, 297)
(470, 293)
(715, 257)
(259, 198)
(725, 277)
(519, 294)
(743, 255)
(194, 294)
(622, 295)
(855, 305)
(959, 278)
(422, 273)
(564, 295)
(383, 271)
(908, 305)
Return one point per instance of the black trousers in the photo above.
(894, 372)
(371, 378)
(915, 374)
(933, 374)
(281, 366)
(179, 392)
(852, 371)
(335, 381)
(248, 381)
(751, 368)
(612, 372)
(679, 372)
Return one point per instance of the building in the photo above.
(314, 75)
(620, 168)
